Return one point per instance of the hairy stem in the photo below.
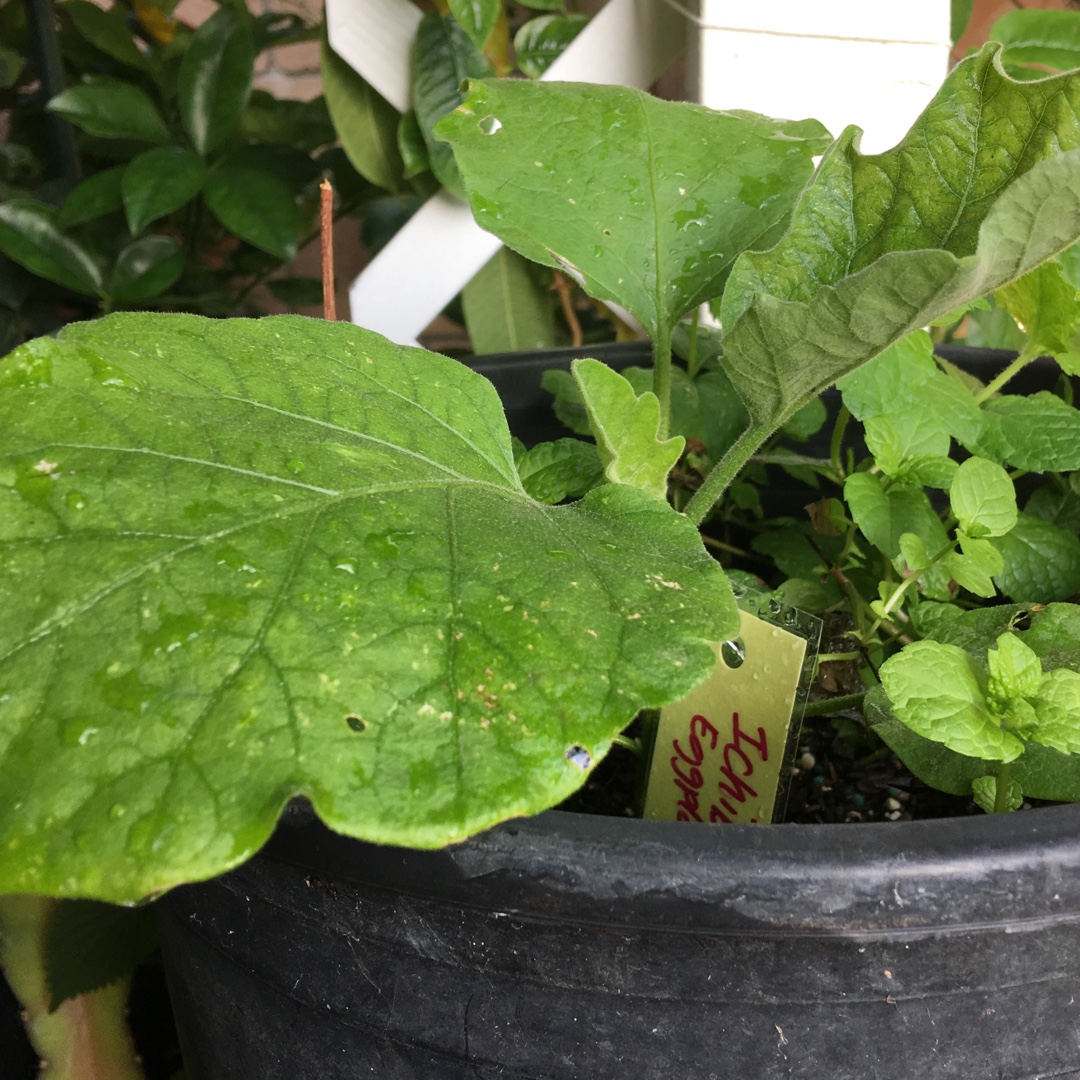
(726, 469)
(1012, 369)
(662, 378)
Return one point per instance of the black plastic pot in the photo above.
(568, 947)
(571, 947)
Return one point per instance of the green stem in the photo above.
(692, 365)
(909, 581)
(725, 470)
(86, 1037)
(1001, 789)
(1017, 365)
(662, 377)
(833, 705)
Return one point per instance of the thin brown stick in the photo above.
(326, 233)
(560, 283)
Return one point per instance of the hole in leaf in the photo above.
(356, 723)
(733, 653)
(578, 755)
(1022, 621)
(490, 124)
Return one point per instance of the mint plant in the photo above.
(245, 561)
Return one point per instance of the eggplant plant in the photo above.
(245, 561)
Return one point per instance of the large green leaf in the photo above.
(31, 235)
(246, 560)
(158, 182)
(443, 60)
(985, 187)
(506, 309)
(644, 202)
(111, 109)
(215, 78)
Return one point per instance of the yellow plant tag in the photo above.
(723, 751)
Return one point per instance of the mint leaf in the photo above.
(1041, 772)
(1057, 706)
(884, 515)
(1042, 562)
(1045, 304)
(905, 379)
(1042, 431)
(625, 427)
(1015, 669)
(984, 792)
(553, 471)
(940, 693)
(975, 565)
(1055, 636)
(983, 498)
(899, 440)
(244, 560)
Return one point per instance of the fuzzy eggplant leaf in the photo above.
(215, 78)
(626, 428)
(643, 202)
(244, 560)
(31, 235)
(158, 182)
(111, 109)
(565, 468)
(985, 187)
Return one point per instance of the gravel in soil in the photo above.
(841, 775)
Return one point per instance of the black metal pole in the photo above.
(63, 156)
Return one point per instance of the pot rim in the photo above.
(949, 875)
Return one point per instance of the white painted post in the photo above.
(629, 43)
(840, 61)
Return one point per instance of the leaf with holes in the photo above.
(644, 202)
(244, 560)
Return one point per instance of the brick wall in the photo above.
(291, 71)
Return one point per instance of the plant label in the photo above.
(723, 753)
